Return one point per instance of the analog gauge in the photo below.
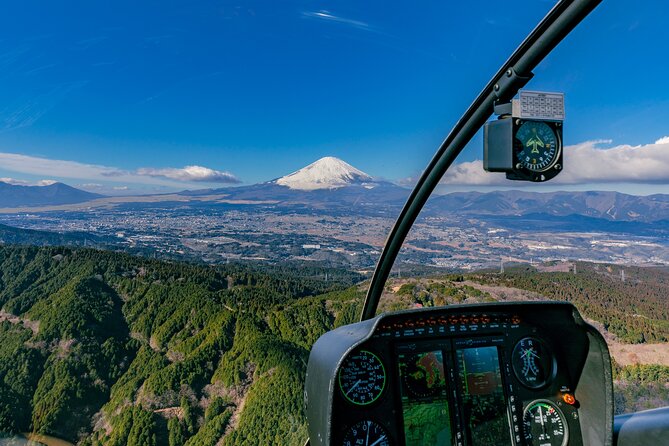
(537, 146)
(362, 378)
(366, 433)
(532, 362)
(544, 425)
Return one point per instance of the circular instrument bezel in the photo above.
(519, 147)
(561, 415)
(552, 363)
(344, 369)
(379, 426)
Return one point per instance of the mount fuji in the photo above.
(328, 183)
(326, 173)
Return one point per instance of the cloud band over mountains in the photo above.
(584, 163)
(191, 173)
(33, 165)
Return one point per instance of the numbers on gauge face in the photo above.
(362, 378)
(532, 363)
(544, 425)
(366, 433)
(537, 146)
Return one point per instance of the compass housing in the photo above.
(525, 141)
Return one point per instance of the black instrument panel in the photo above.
(463, 377)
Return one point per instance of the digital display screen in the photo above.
(483, 396)
(425, 409)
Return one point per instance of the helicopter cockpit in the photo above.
(493, 374)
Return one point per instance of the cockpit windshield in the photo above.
(192, 193)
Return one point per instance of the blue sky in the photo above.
(124, 96)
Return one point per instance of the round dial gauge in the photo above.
(366, 433)
(362, 378)
(532, 363)
(537, 146)
(544, 425)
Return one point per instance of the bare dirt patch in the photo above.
(170, 412)
(503, 293)
(631, 354)
(13, 319)
(559, 267)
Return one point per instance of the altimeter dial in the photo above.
(366, 433)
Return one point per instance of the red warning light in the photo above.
(569, 399)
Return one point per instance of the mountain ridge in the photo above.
(332, 185)
(12, 195)
(613, 206)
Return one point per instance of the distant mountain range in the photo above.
(12, 195)
(612, 206)
(332, 185)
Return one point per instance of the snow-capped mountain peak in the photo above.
(326, 173)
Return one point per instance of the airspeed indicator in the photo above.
(362, 378)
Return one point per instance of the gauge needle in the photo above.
(529, 352)
(357, 383)
(378, 441)
(541, 416)
(369, 424)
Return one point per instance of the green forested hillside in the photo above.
(102, 348)
(636, 309)
(105, 348)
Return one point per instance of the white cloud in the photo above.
(585, 163)
(472, 173)
(58, 168)
(14, 181)
(170, 177)
(327, 15)
(191, 173)
(17, 182)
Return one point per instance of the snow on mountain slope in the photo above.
(326, 173)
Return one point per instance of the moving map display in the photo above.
(425, 407)
(483, 396)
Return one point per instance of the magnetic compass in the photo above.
(537, 146)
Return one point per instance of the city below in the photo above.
(331, 212)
